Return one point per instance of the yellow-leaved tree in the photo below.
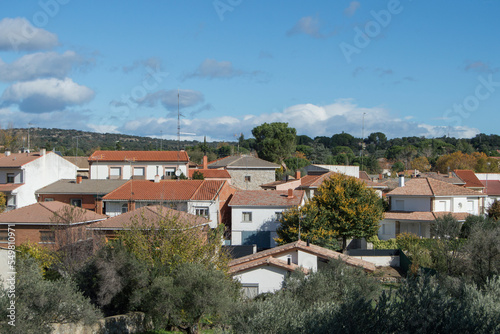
(172, 238)
(343, 207)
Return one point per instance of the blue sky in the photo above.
(405, 68)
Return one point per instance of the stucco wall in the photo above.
(40, 173)
(263, 219)
(268, 278)
(100, 170)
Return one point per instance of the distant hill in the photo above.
(65, 141)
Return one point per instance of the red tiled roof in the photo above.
(8, 187)
(469, 177)
(211, 173)
(19, 159)
(167, 190)
(139, 156)
(432, 187)
(246, 262)
(314, 181)
(422, 215)
(43, 213)
(266, 198)
(266, 261)
(149, 214)
(491, 187)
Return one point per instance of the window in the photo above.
(47, 236)
(201, 211)
(115, 172)
(124, 208)
(169, 172)
(278, 215)
(10, 177)
(247, 217)
(139, 172)
(248, 178)
(250, 290)
(48, 199)
(76, 202)
(4, 236)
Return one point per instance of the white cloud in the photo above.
(307, 25)
(353, 7)
(213, 69)
(39, 65)
(168, 99)
(309, 119)
(45, 95)
(18, 34)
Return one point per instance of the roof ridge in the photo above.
(197, 189)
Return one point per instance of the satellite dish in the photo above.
(178, 173)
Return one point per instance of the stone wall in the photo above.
(257, 177)
(129, 323)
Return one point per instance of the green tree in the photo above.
(275, 141)
(197, 175)
(170, 240)
(343, 206)
(494, 210)
(3, 202)
(39, 302)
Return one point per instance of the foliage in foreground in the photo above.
(39, 302)
(422, 304)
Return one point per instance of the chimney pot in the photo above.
(157, 178)
(401, 180)
(205, 162)
(7, 153)
(79, 179)
(43, 151)
(297, 175)
(290, 193)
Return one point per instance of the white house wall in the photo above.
(387, 230)
(263, 219)
(100, 170)
(41, 172)
(410, 203)
(268, 278)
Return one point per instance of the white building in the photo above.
(265, 271)
(22, 174)
(420, 201)
(491, 183)
(255, 215)
(138, 165)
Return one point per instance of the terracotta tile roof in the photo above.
(211, 173)
(148, 214)
(159, 156)
(301, 245)
(242, 161)
(42, 213)
(166, 190)
(266, 198)
(81, 162)
(314, 181)
(88, 186)
(453, 179)
(432, 187)
(8, 187)
(266, 261)
(19, 159)
(469, 177)
(364, 175)
(426, 216)
(491, 187)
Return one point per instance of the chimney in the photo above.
(290, 193)
(289, 261)
(131, 205)
(7, 153)
(42, 152)
(157, 178)
(297, 174)
(401, 180)
(380, 176)
(78, 179)
(98, 206)
(205, 162)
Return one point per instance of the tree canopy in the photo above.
(274, 141)
(342, 207)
